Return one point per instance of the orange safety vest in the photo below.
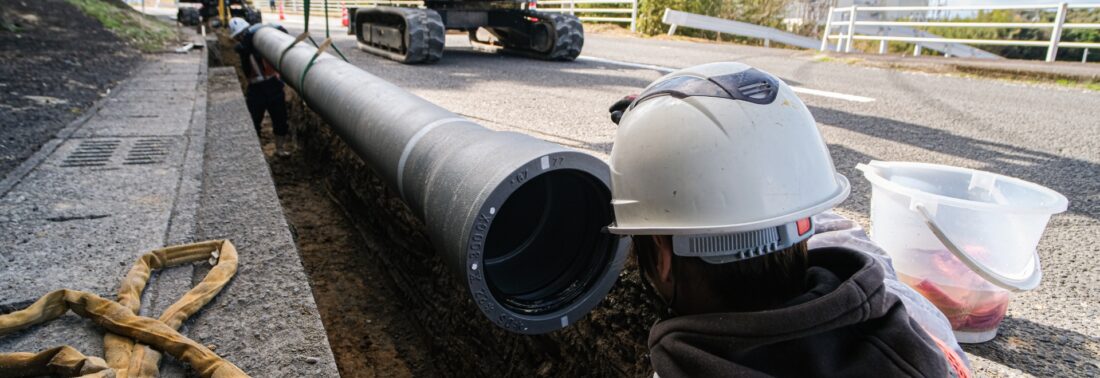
(262, 69)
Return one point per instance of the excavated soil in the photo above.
(368, 325)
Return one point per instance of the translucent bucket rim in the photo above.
(872, 174)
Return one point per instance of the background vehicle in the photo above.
(417, 35)
(208, 10)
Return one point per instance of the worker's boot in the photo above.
(282, 145)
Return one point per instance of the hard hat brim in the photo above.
(842, 192)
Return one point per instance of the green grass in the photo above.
(846, 60)
(1090, 85)
(148, 34)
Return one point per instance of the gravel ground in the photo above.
(57, 63)
(1045, 134)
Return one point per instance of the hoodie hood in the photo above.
(845, 323)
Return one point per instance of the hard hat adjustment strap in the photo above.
(737, 246)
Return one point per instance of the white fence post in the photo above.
(902, 30)
(1056, 34)
(671, 25)
(634, 15)
(1085, 56)
(572, 8)
(828, 27)
(851, 30)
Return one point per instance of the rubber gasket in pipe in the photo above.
(592, 280)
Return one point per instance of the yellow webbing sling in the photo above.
(132, 343)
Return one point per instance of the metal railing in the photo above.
(618, 11)
(849, 32)
(604, 13)
(675, 19)
(335, 7)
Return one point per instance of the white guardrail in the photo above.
(335, 7)
(850, 27)
(618, 11)
(675, 18)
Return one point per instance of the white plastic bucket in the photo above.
(965, 239)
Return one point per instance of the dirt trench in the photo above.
(390, 305)
(367, 323)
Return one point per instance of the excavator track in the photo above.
(406, 35)
(552, 36)
(568, 37)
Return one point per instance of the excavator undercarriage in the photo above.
(417, 35)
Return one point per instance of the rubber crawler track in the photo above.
(424, 36)
(568, 37)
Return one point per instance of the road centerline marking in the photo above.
(796, 89)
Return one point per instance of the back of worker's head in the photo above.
(727, 162)
(754, 284)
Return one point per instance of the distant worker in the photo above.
(272, 4)
(724, 184)
(265, 88)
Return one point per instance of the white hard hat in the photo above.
(726, 159)
(237, 25)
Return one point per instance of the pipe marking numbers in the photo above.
(519, 178)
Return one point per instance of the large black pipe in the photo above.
(520, 219)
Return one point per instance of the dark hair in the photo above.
(759, 283)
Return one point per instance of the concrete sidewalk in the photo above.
(159, 162)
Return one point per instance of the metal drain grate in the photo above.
(92, 153)
(148, 151)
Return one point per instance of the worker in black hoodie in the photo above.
(724, 184)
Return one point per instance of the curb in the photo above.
(1004, 69)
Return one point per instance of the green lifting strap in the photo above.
(302, 80)
(306, 16)
(299, 38)
(311, 40)
(337, 50)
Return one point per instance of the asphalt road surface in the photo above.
(1045, 134)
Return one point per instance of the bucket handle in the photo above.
(1016, 285)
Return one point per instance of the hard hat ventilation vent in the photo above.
(732, 247)
(750, 85)
(758, 91)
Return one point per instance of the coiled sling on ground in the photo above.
(133, 343)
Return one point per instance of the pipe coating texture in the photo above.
(519, 219)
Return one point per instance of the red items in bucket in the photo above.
(970, 303)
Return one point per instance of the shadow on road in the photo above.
(467, 66)
(845, 160)
(1041, 350)
(1074, 178)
